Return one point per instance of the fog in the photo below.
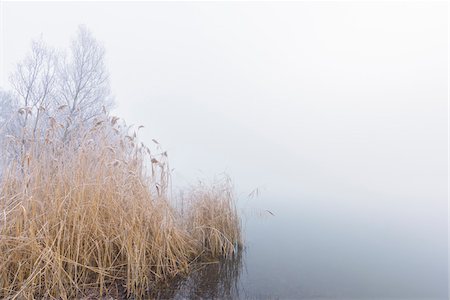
(336, 111)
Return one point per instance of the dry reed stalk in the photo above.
(213, 219)
(91, 212)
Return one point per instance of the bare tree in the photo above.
(33, 84)
(83, 78)
(52, 87)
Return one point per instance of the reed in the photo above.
(91, 212)
(213, 219)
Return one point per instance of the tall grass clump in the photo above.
(87, 209)
(213, 219)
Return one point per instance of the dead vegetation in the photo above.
(90, 212)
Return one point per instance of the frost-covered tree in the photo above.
(83, 81)
(33, 84)
(51, 88)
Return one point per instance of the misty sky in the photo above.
(336, 111)
(294, 97)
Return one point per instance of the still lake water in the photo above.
(315, 250)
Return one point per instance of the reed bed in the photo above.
(213, 218)
(88, 210)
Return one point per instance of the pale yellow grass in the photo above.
(92, 213)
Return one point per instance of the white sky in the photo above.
(338, 110)
(298, 97)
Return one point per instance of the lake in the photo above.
(318, 248)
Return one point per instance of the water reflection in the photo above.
(209, 280)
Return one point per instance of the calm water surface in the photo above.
(313, 249)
